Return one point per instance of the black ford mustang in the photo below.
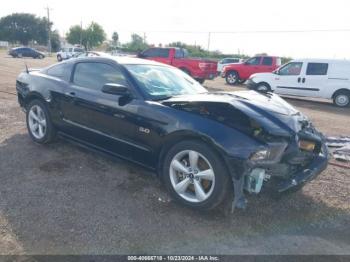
(201, 144)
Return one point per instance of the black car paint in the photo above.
(140, 130)
(25, 52)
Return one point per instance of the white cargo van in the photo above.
(319, 78)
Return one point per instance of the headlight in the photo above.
(259, 155)
(272, 154)
(307, 145)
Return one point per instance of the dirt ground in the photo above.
(61, 199)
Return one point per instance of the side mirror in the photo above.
(115, 89)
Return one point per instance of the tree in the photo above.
(95, 35)
(115, 38)
(75, 35)
(55, 41)
(23, 28)
(90, 37)
(136, 44)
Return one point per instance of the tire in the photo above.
(190, 192)
(200, 80)
(263, 87)
(342, 98)
(41, 57)
(59, 58)
(232, 78)
(42, 121)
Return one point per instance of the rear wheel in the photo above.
(39, 123)
(41, 56)
(200, 80)
(342, 99)
(195, 175)
(232, 78)
(59, 58)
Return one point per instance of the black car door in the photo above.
(97, 117)
(26, 52)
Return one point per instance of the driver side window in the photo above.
(291, 69)
(253, 61)
(94, 75)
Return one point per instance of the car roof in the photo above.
(123, 60)
(320, 60)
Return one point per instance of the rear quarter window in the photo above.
(62, 71)
(317, 69)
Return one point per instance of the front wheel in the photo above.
(195, 175)
(59, 58)
(232, 78)
(342, 99)
(263, 87)
(39, 123)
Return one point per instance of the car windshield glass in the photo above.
(161, 82)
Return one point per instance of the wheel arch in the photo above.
(233, 70)
(179, 136)
(340, 90)
(264, 83)
(32, 96)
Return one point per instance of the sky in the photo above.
(246, 26)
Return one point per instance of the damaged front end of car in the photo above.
(293, 152)
(284, 149)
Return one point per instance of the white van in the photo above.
(320, 78)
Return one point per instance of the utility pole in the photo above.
(48, 29)
(209, 40)
(144, 37)
(81, 32)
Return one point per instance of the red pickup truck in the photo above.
(199, 69)
(238, 73)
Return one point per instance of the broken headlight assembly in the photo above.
(307, 145)
(259, 155)
(270, 154)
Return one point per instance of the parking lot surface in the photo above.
(61, 199)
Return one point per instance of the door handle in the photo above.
(299, 79)
(303, 80)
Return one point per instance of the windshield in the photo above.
(162, 82)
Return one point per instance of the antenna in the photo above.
(26, 68)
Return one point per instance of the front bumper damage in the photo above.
(278, 177)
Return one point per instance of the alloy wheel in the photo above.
(37, 122)
(192, 176)
(232, 78)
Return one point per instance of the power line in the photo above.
(248, 31)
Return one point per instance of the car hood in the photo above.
(272, 113)
(262, 75)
